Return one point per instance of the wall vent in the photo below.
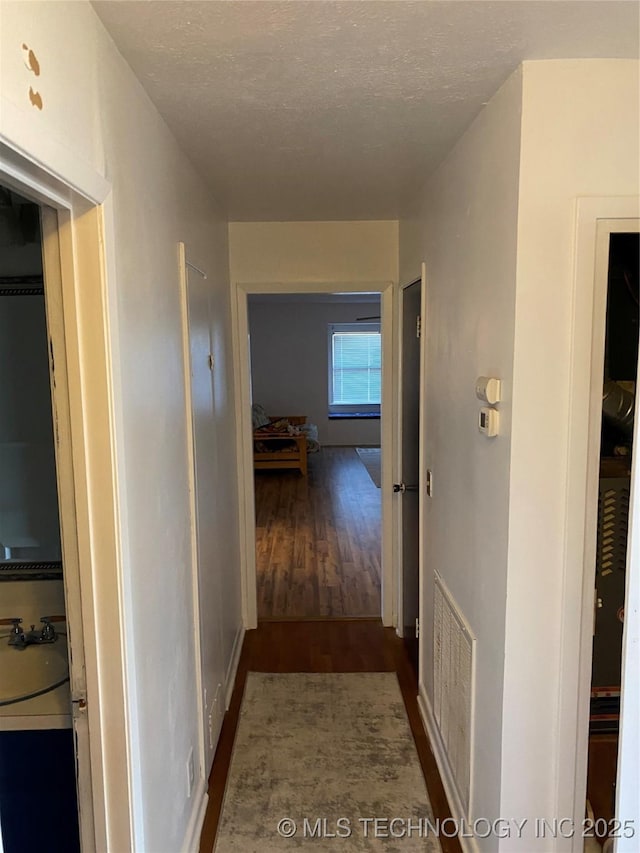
(453, 679)
(613, 523)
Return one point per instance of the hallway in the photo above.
(208, 152)
(323, 646)
(318, 539)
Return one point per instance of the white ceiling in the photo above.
(325, 109)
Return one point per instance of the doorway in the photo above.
(42, 703)
(316, 400)
(618, 370)
(245, 438)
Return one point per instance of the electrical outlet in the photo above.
(191, 774)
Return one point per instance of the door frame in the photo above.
(60, 407)
(91, 480)
(421, 279)
(244, 435)
(200, 784)
(595, 219)
(422, 493)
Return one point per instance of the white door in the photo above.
(201, 404)
(68, 523)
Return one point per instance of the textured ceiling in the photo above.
(315, 109)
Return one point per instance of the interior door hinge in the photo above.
(210, 361)
(418, 326)
(417, 628)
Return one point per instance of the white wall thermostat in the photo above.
(488, 421)
(488, 389)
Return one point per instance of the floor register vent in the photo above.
(454, 666)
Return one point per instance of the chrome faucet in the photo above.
(20, 640)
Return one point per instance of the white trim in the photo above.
(59, 384)
(586, 369)
(244, 434)
(232, 668)
(468, 843)
(242, 394)
(128, 761)
(387, 443)
(397, 543)
(422, 480)
(627, 787)
(183, 263)
(200, 796)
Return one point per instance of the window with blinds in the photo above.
(355, 368)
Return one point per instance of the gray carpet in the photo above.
(370, 457)
(328, 753)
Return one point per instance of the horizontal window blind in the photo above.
(356, 374)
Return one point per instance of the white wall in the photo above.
(306, 252)
(580, 129)
(290, 364)
(496, 224)
(97, 121)
(464, 226)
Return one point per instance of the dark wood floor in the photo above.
(323, 646)
(318, 539)
(603, 763)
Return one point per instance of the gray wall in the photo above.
(28, 495)
(289, 363)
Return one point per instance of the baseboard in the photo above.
(232, 669)
(191, 843)
(468, 844)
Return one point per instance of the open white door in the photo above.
(68, 521)
(199, 379)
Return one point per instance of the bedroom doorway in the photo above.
(316, 397)
(317, 533)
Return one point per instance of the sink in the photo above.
(35, 669)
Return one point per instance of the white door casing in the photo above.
(68, 520)
(596, 218)
(244, 440)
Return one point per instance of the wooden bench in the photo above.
(285, 451)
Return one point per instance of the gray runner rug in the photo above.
(324, 762)
(370, 458)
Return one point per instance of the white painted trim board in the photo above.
(468, 843)
(191, 843)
